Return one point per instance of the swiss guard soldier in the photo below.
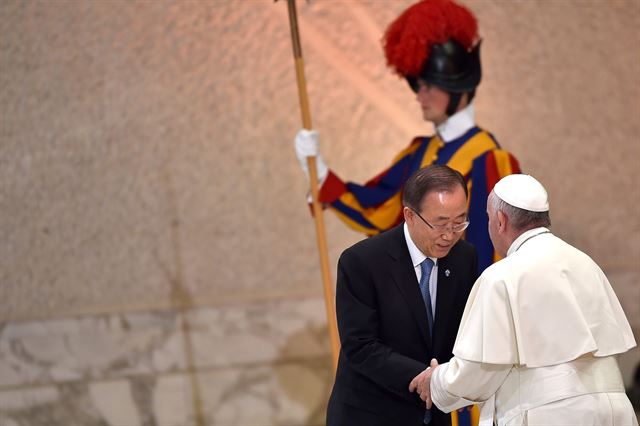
(434, 45)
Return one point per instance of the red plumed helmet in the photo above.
(443, 25)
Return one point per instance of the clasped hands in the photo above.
(422, 383)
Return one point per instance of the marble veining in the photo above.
(258, 364)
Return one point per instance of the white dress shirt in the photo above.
(417, 257)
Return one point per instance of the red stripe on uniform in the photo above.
(491, 170)
(515, 166)
(331, 189)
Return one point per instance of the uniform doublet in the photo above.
(377, 205)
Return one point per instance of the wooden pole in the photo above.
(313, 178)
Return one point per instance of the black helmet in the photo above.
(450, 67)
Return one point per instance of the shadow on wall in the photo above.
(307, 385)
(634, 390)
(629, 363)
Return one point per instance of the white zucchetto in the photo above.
(522, 191)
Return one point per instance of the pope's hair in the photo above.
(520, 219)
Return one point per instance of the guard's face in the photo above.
(442, 210)
(433, 101)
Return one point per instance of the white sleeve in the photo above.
(459, 383)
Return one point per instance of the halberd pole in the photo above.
(313, 179)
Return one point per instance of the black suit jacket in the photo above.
(383, 328)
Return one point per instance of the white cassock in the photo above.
(537, 341)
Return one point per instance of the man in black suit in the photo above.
(399, 300)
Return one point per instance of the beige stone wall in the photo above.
(148, 144)
(146, 157)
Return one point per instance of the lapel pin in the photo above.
(447, 272)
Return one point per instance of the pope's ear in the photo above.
(502, 220)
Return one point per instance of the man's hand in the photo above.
(422, 382)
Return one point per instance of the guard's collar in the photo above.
(457, 125)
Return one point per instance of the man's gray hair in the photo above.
(520, 219)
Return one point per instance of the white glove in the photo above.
(307, 145)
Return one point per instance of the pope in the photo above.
(541, 328)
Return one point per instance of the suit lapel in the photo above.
(404, 277)
(447, 289)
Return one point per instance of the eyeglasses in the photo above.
(456, 227)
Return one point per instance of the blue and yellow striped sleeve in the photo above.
(377, 205)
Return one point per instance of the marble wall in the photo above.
(158, 264)
(255, 364)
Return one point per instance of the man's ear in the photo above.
(408, 215)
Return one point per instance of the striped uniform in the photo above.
(377, 205)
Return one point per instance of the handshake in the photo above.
(422, 383)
